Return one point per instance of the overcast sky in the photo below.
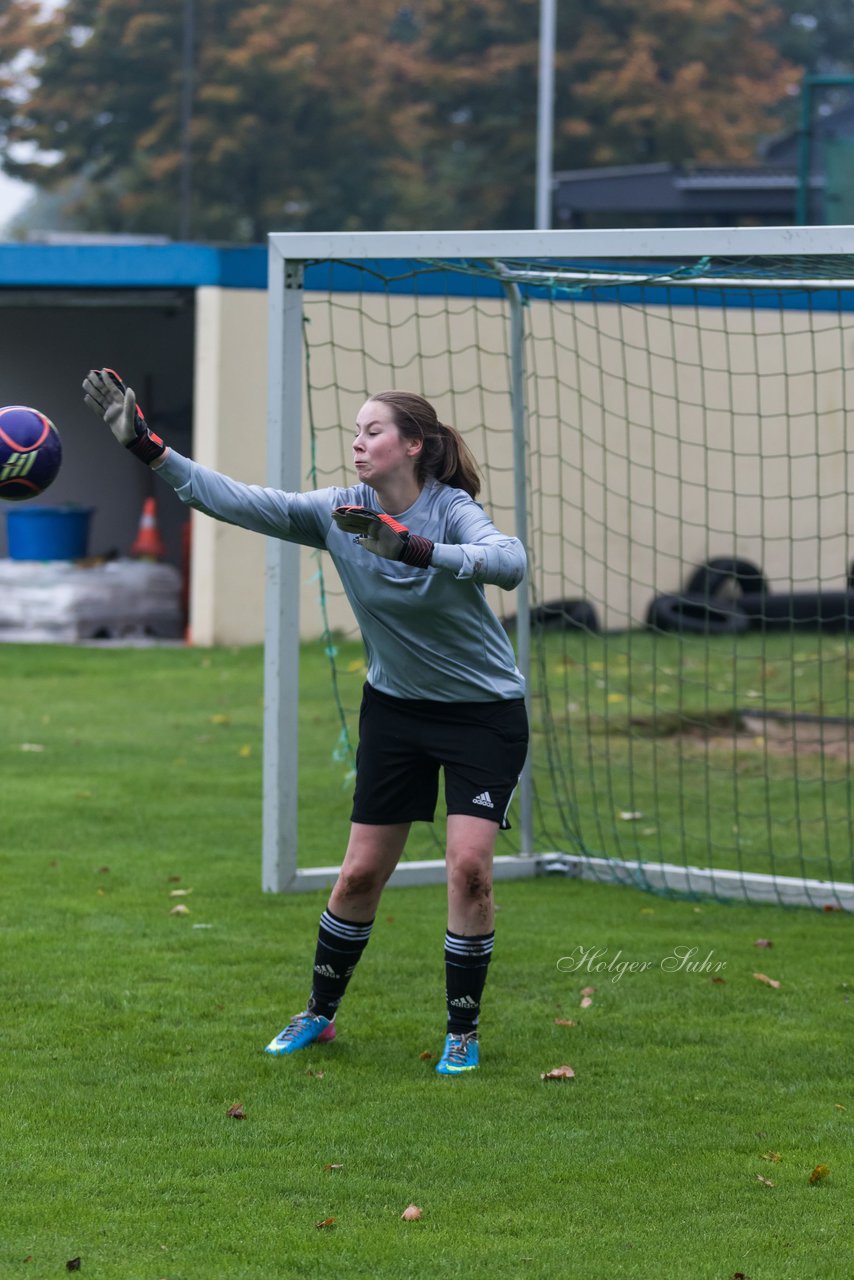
(14, 195)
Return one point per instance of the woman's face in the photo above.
(379, 450)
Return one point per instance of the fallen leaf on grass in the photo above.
(103, 871)
(715, 979)
(739, 1275)
(763, 942)
(839, 1107)
(769, 982)
(766, 1182)
(587, 991)
(425, 1056)
(773, 1156)
(179, 893)
(173, 879)
(586, 1002)
(411, 1213)
(328, 1167)
(32, 746)
(73, 1264)
(630, 815)
(28, 1258)
(325, 1222)
(558, 1073)
(565, 1022)
(318, 1075)
(236, 1112)
(219, 718)
(180, 910)
(819, 1173)
(245, 751)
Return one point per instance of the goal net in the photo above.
(662, 417)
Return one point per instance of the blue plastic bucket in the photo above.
(48, 533)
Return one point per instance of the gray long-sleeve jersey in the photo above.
(429, 633)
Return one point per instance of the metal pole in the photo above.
(188, 41)
(520, 489)
(804, 153)
(281, 636)
(545, 113)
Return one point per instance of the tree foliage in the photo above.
(673, 80)
(817, 35)
(348, 114)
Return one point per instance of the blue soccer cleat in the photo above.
(304, 1029)
(461, 1054)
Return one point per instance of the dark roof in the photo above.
(689, 190)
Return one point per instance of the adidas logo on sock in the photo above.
(464, 1002)
(485, 799)
(325, 971)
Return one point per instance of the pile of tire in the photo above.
(561, 615)
(727, 596)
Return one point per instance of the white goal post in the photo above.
(289, 253)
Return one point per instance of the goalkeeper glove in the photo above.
(107, 395)
(384, 536)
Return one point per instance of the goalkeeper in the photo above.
(413, 549)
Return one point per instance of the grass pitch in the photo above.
(683, 1147)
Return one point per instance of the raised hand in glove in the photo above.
(384, 536)
(108, 397)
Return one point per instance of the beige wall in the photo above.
(229, 433)
(659, 437)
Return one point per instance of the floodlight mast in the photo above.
(545, 113)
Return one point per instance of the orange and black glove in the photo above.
(108, 397)
(384, 536)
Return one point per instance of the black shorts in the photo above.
(404, 742)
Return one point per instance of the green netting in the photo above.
(689, 476)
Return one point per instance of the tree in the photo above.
(674, 80)
(819, 35)
(340, 114)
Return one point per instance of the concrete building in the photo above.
(186, 326)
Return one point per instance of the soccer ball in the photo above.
(30, 453)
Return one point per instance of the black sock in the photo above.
(466, 963)
(339, 945)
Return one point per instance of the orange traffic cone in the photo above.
(148, 544)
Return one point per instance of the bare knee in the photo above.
(372, 854)
(360, 883)
(357, 883)
(471, 879)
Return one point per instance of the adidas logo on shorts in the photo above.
(485, 799)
